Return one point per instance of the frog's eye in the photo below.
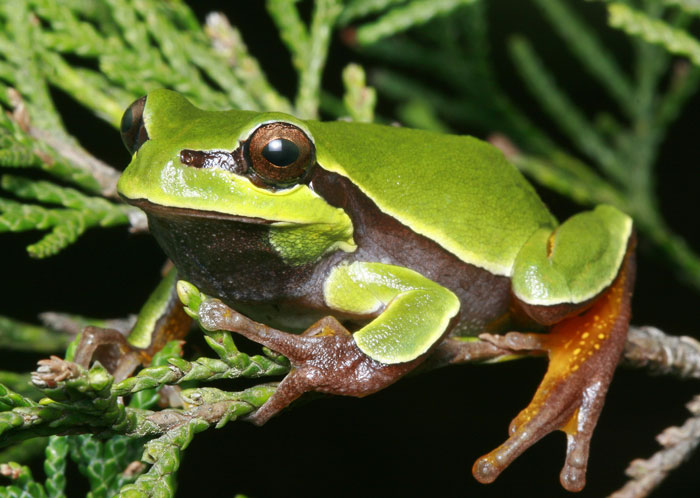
(133, 129)
(280, 153)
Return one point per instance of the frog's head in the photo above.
(239, 166)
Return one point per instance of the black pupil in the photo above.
(281, 152)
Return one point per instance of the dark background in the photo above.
(421, 436)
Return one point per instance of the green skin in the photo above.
(327, 234)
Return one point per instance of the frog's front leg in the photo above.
(411, 314)
(584, 348)
(325, 358)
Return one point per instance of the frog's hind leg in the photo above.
(111, 348)
(583, 352)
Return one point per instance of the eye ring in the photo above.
(133, 128)
(280, 154)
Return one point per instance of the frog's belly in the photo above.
(235, 262)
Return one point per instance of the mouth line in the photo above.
(159, 209)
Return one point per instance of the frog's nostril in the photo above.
(133, 129)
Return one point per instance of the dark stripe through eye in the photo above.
(210, 159)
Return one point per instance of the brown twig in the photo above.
(678, 444)
(104, 174)
(73, 325)
(648, 347)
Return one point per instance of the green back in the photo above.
(456, 190)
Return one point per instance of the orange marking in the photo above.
(550, 244)
(571, 427)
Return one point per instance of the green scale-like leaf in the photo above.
(654, 30)
(81, 212)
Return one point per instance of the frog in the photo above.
(361, 251)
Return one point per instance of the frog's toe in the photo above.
(525, 430)
(291, 388)
(517, 341)
(579, 432)
(573, 475)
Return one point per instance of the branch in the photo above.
(678, 444)
(637, 23)
(648, 347)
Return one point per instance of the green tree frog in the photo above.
(382, 244)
